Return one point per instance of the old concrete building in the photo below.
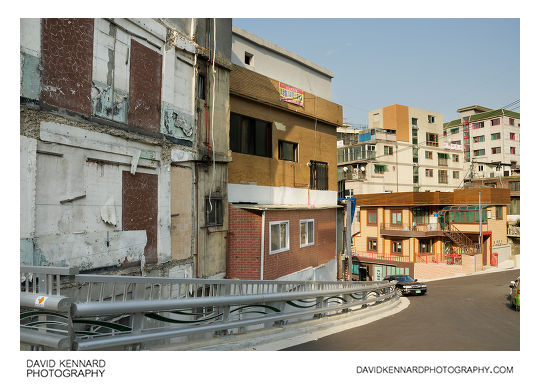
(124, 138)
(283, 175)
(401, 151)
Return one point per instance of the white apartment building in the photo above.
(401, 151)
(490, 140)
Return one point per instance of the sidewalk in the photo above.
(503, 266)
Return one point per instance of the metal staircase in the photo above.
(460, 239)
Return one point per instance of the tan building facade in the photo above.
(401, 151)
(430, 227)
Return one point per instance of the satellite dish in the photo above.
(362, 169)
(345, 169)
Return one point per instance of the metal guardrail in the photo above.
(110, 312)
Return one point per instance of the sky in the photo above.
(438, 65)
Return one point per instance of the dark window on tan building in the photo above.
(432, 139)
(288, 150)
(397, 246)
(250, 136)
(372, 244)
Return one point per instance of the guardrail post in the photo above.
(320, 304)
(138, 317)
(226, 312)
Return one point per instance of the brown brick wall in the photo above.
(243, 259)
(67, 57)
(144, 88)
(296, 258)
(244, 244)
(140, 208)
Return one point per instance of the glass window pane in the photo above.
(284, 242)
(303, 234)
(274, 234)
(311, 231)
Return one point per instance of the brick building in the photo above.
(119, 137)
(429, 234)
(282, 181)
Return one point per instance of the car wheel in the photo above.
(517, 308)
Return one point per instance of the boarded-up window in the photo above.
(140, 208)
(144, 88)
(67, 57)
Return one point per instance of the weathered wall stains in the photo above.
(176, 123)
(67, 46)
(144, 88)
(140, 208)
(92, 250)
(109, 103)
(28, 169)
(30, 77)
(181, 212)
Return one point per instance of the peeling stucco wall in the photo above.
(76, 146)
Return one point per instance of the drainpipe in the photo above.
(262, 244)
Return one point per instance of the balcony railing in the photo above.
(354, 155)
(382, 256)
(443, 162)
(352, 175)
(443, 179)
(418, 227)
(437, 258)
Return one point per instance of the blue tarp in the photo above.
(353, 205)
(364, 137)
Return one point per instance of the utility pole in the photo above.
(348, 243)
(480, 225)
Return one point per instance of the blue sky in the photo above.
(433, 64)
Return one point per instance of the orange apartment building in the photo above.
(282, 180)
(428, 234)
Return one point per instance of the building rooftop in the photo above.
(489, 196)
(482, 116)
(281, 51)
(475, 107)
(494, 113)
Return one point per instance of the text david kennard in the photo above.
(65, 368)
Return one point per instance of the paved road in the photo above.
(465, 314)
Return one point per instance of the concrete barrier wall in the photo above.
(504, 252)
(438, 271)
(435, 271)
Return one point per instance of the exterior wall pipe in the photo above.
(262, 244)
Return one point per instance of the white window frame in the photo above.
(300, 231)
(287, 246)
